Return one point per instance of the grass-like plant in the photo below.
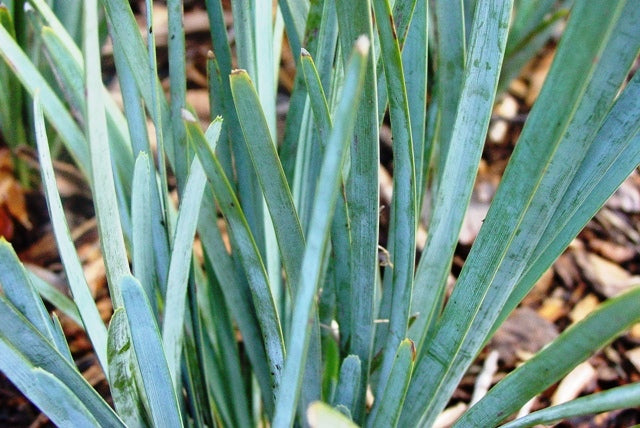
(302, 283)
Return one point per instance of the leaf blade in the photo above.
(572, 346)
(151, 361)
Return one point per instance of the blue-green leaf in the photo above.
(150, 357)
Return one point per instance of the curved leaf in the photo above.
(621, 397)
(53, 397)
(39, 352)
(573, 346)
(83, 299)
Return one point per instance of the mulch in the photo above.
(602, 261)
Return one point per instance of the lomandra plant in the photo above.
(282, 327)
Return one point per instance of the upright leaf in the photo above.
(151, 361)
(270, 173)
(362, 193)
(73, 268)
(312, 261)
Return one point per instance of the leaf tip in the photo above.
(188, 116)
(363, 44)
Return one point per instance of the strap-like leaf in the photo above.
(403, 209)
(122, 371)
(389, 402)
(615, 398)
(249, 255)
(73, 268)
(270, 173)
(488, 40)
(53, 397)
(178, 279)
(348, 383)
(53, 107)
(39, 352)
(573, 346)
(362, 193)
(19, 291)
(104, 193)
(150, 357)
(319, 231)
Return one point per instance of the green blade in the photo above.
(450, 61)
(402, 225)
(627, 396)
(270, 173)
(39, 352)
(70, 73)
(415, 64)
(53, 107)
(104, 194)
(530, 191)
(73, 268)
(178, 279)
(236, 293)
(142, 259)
(317, 97)
(122, 371)
(295, 18)
(182, 154)
(217, 328)
(151, 361)
(348, 383)
(53, 397)
(557, 359)
(57, 298)
(389, 402)
(467, 141)
(362, 194)
(18, 290)
(11, 123)
(313, 258)
(126, 34)
(607, 161)
(249, 255)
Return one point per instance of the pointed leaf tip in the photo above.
(188, 116)
(363, 44)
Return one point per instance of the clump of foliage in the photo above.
(302, 214)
